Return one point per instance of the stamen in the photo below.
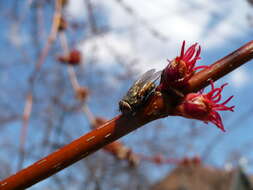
(226, 101)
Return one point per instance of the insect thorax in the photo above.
(137, 96)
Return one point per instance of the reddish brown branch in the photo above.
(117, 149)
(158, 106)
(221, 67)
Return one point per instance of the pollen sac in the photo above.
(139, 92)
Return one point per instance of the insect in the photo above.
(139, 92)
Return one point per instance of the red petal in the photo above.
(189, 53)
(182, 49)
(215, 118)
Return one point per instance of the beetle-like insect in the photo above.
(139, 92)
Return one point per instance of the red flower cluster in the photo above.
(205, 106)
(180, 70)
(199, 106)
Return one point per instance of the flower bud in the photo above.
(72, 58)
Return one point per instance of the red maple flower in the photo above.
(205, 106)
(180, 70)
(72, 58)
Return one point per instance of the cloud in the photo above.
(213, 24)
(189, 20)
(76, 8)
(239, 78)
(104, 47)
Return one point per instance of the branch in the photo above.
(158, 106)
(24, 129)
(29, 98)
(221, 67)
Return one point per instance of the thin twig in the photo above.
(24, 128)
(71, 71)
(153, 31)
(91, 17)
(51, 38)
(221, 67)
(218, 138)
(41, 60)
(89, 115)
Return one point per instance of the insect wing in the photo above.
(155, 76)
(139, 90)
(139, 83)
(148, 77)
(145, 79)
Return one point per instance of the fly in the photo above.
(139, 92)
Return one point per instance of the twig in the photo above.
(41, 60)
(153, 31)
(158, 106)
(91, 17)
(218, 138)
(24, 128)
(159, 159)
(71, 71)
(51, 38)
(89, 115)
(221, 67)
